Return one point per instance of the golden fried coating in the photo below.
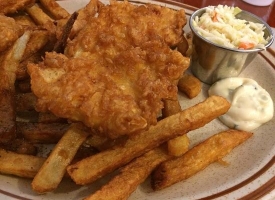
(9, 32)
(116, 71)
(12, 6)
(122, 25)
(118, 98)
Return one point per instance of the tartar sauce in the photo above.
(251, 105)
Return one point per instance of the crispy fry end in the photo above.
(196, 159)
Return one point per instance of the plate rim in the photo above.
(261, 191)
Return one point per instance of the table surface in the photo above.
(267, 13)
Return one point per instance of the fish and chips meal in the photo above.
(102, 84)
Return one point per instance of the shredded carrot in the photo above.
(246, 45)
(215, 17)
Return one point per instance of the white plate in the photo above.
(250, 175)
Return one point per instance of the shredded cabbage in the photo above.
(219, 25)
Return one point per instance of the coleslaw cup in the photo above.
(211, 62)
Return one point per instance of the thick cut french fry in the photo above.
(22, 72)
(179, 145)
(39, 38)
(24, 20)
(47, 117)
(52, 171)
(38, 15)
(186, 46)
(102, 143)
(23, 86)
(97, 141)
(12, 58)
(83, 152)
(20, 146)
(61, 43)
(130, 176)
(42, 133)
(183, 46)
(198, 158)
(9, 63)
(19, 164)
(7, 112)
(166, 129)
(54, 9)
(189, 85)
(25, 101)
(35, 117)
(170, 107)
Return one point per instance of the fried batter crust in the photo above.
(9, 32)
(12, 6)
(122, 25)
(112, 77)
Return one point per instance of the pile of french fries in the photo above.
(162, 151)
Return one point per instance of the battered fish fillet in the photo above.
(122, 25)
(115, 73)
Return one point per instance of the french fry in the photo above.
(54, 9)
(23, 86)
(38, 15)
(9, 64)
(83, 152)
(179, 145)
(26, 116)
(47, 117)
(61, 43)
(136, 171)
(189, 85)
(32, 116)
(23, 19)
(52, 171)
(20, 146)
(102, 143)
(198, 158)
(19, 164)
(34, 51)
(186, 46)
(39, 38)
(12, 58)
(170, 107)
(97, 141)
(25, 101)
(183, 46)
(22, 72)
(168, 128)
(7, 112)
(130, 176)
(42, 133)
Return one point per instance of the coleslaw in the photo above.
(219, 25)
